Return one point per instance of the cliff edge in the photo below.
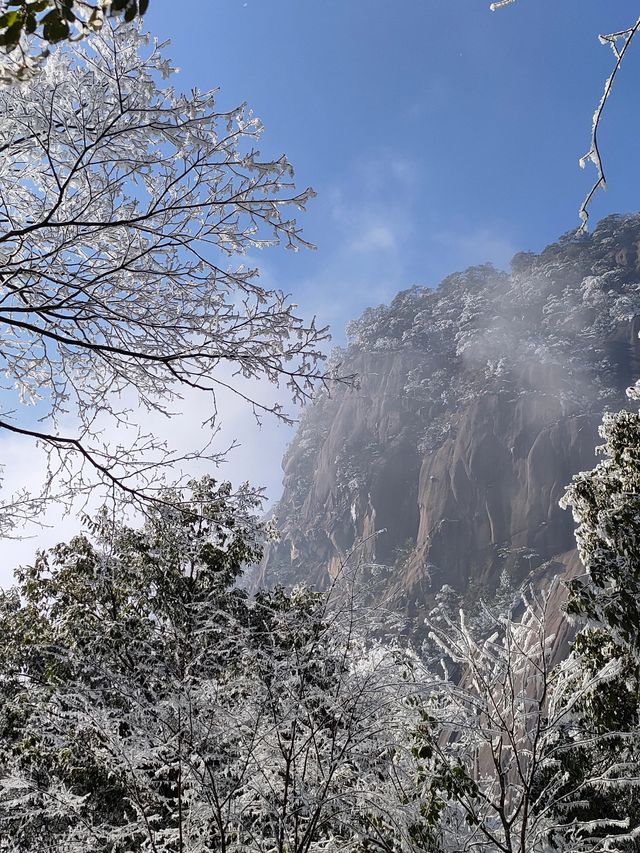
(477, 401)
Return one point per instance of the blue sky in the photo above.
(436, 133)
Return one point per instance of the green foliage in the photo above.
(437, 782)
(52, 21)
(613, 705)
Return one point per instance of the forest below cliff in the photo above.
(150, 702)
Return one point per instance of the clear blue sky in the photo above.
(437, 134)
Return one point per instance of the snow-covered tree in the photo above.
(123, 206)
(28, 27)
(146, 704)
(604, 605)
(506, 709)
(116, 720)
(606, 506)
(599, 752)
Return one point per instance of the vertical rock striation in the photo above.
(477, 402)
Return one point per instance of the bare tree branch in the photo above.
(122, 208)
(620, 42)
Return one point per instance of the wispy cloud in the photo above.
(363, 260)
(255, 457)
(476, 246)
(376, 238)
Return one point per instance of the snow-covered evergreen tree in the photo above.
(604, 602)
(147, 704)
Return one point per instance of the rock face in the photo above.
(477, 401)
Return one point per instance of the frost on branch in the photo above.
(625, 37)
(619, 42)
(123, 208)
(513, 729)
(147, 704)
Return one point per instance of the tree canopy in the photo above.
(124, 206)
(148, 704)
(28, 27)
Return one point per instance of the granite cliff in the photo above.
(476, 402)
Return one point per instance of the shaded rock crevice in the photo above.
(477, 402)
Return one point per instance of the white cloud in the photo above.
(375, 238)
(255, 458)
(373, 232)
(24, 467)
(383, 173)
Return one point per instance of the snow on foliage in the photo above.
(484, 327)
(147, 704)
(551, 328)
(511, 726)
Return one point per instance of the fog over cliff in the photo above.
(476, 402)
